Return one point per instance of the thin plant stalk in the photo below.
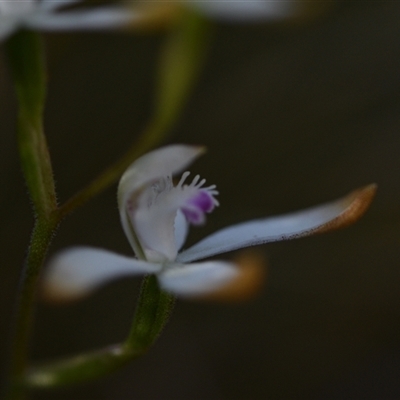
(25, 58)
(152, 312)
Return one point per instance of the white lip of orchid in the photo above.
(155, 219)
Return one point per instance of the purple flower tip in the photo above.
(195, 208)
(203, 201)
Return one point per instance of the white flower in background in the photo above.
(155, 216)
(248, 11)
(45, 15)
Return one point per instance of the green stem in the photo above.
(152, 312)
(40, 241)
(25, 59)
(78, 369)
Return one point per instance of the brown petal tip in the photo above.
(252, 268)
(354, 205)
(51, 293)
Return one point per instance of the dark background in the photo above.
(292, 116)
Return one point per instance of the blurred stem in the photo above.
(179, 66)
(25, 59)
(152, 312)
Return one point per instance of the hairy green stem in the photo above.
(40, 242)
(25, 59)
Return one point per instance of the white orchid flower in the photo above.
(155, 216)
(44, 15)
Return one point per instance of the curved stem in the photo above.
(152, 313)
(25, 59)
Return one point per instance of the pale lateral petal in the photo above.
(319, 219)
(76, 272)
(167, 160)
(103, 18)
(198, 279)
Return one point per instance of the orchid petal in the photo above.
(198, 279)
(247, 10)
(103, 18)
(76, 272)
(319, 219)
(144, 171)
(50, 5)
(151, 166)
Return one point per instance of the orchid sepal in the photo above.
(320, 219)
(78, 271)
